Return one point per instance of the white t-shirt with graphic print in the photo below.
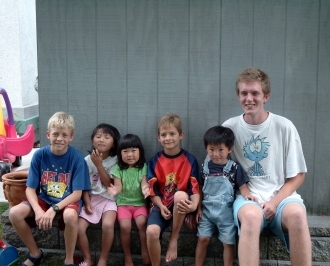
(269, 153)
(97, 188)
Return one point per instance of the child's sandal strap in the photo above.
(35, 261)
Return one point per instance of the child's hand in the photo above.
(251, 197)
(38, 215)
(186, 206)
(46, 221)
(269, 209)
(112, 190)
(96, 158)
(198, 215)
(165, 212)
(146, 191)
(88, 209)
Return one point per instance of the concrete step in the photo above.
(272, 250)
(56, 257)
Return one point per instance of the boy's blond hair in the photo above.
(61, 120)
(170, 119)
(254, 74)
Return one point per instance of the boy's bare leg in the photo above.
(228, 254)
(17, 215)
(201, 249)
(172, 250)
(82, 241)
(125, 239)
(153, 244)
(141, 223)
(108, 233)
(250, 217)
(295, 221)
(70, 217)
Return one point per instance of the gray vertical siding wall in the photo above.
(129, 62)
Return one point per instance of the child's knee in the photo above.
(153, 232)
(204, 240)
(250, 216)
(108, 225)
(295, 218)
(18, 212)
(180, 195)
(70, 217)
(12, 214)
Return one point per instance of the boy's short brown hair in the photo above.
(170, 119)
(61, 120)
(254, 74)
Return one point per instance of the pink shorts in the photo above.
(127, 212)
(100, 205)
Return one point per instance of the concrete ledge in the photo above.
(272, 250)
(56, 256)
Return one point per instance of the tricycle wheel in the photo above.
(18, 161)
(4, 169)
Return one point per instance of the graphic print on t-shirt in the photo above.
(256, 150)
(56, 189)
(55, 184)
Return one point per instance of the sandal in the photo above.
(35, 261)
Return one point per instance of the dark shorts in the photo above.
(45, 206)
(155, 217)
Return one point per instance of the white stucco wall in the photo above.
(18, 56)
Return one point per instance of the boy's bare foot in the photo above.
(102, 262)
(172, 251)
(129, 261)
(145, 258)
(86, 263)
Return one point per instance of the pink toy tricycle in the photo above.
(12, 146)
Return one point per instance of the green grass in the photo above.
(3, 207)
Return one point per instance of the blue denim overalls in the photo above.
(217, 205)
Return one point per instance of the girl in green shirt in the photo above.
(132, 189)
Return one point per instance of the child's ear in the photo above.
(231, 149)
(71, 138)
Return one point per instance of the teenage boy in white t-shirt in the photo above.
(269, 149)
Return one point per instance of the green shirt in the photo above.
(131, 178)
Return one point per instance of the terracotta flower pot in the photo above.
(14, 185)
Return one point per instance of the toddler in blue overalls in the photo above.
(220, 178)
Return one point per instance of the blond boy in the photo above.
(174, 189)
(57, 176)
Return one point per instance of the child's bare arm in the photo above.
(145, 187)
(163, 209)
(199, 208)
(85, 197)
(245, 192)
(73, 197)
(192, 219)
(97, 160)
(87, 202)
(116, 188)
(32, 197)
